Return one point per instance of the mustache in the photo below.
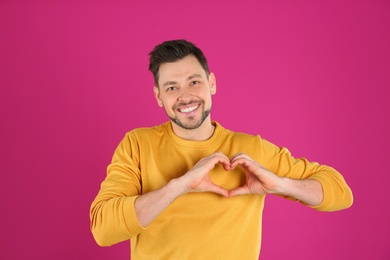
(192, 102)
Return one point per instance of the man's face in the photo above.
(185, 92)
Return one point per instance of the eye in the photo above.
(195, 82)
(171, 89)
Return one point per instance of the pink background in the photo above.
(310, 76)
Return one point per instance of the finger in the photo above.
(222, 159)
(212, 160)
(221, 154)
(240, 157)
(238, 191)
(248, 164)
(226, 165)
(237, 155)
(244, 162)
(219, 190)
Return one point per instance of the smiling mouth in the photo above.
(188, 109)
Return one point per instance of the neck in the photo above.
(202, 133)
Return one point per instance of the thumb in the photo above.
(218, 189)
(239, 191)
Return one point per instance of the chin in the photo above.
(194, 122)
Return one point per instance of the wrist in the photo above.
(178, 186)
(284, 186)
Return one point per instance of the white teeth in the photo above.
(188, 109)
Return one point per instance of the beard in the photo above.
(193, 122)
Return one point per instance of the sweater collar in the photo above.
(206, 144)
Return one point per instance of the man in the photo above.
(191, 189)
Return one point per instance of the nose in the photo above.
(184, 95)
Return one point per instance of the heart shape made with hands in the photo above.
(231, 180)
(249, 178)
(235, 177)
(228, 178)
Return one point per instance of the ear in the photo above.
(213, 83)
(156, 91)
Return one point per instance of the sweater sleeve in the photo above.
(337, 194)
(112, 213)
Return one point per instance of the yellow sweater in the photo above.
(196, 225)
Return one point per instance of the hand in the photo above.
(258, 179)
(198, 179)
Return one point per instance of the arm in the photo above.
(320, 187)
(308, 191)
(119, 212)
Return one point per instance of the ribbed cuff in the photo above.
(130, 217)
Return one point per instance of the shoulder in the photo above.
(143, 133)
(239, 136)
(248, 139)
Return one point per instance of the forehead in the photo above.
(181, 69)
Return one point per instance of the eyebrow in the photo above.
(196, 75)
(168, 83)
